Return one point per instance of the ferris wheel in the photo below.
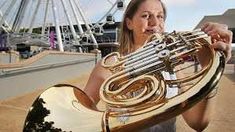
(69, 19)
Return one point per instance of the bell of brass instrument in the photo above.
(135, 94)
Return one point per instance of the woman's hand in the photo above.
(221, 37)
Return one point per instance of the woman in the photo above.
(141, 19)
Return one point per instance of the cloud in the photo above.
(179, 2)
(95, 9)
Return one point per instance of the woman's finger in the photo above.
(210, 25)
(221, 35)
(226, 48)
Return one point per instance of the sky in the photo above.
(181, 14)
(185, 14)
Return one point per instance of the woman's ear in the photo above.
(129, 24)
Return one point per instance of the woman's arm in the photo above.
(97, 77)
(198, 116)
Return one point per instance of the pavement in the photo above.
(14, 110)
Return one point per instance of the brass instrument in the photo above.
(135, 94)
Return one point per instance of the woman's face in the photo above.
(148, 19)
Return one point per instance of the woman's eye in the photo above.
(145, 16)
(160, 16)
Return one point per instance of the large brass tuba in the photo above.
(135, 94)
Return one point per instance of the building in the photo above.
(106, 37)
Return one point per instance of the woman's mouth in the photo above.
(152, 31)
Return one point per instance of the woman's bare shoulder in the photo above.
(98, 75)
(100, 72)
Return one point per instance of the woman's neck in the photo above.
(138, 44)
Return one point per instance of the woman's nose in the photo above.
(153, 21)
